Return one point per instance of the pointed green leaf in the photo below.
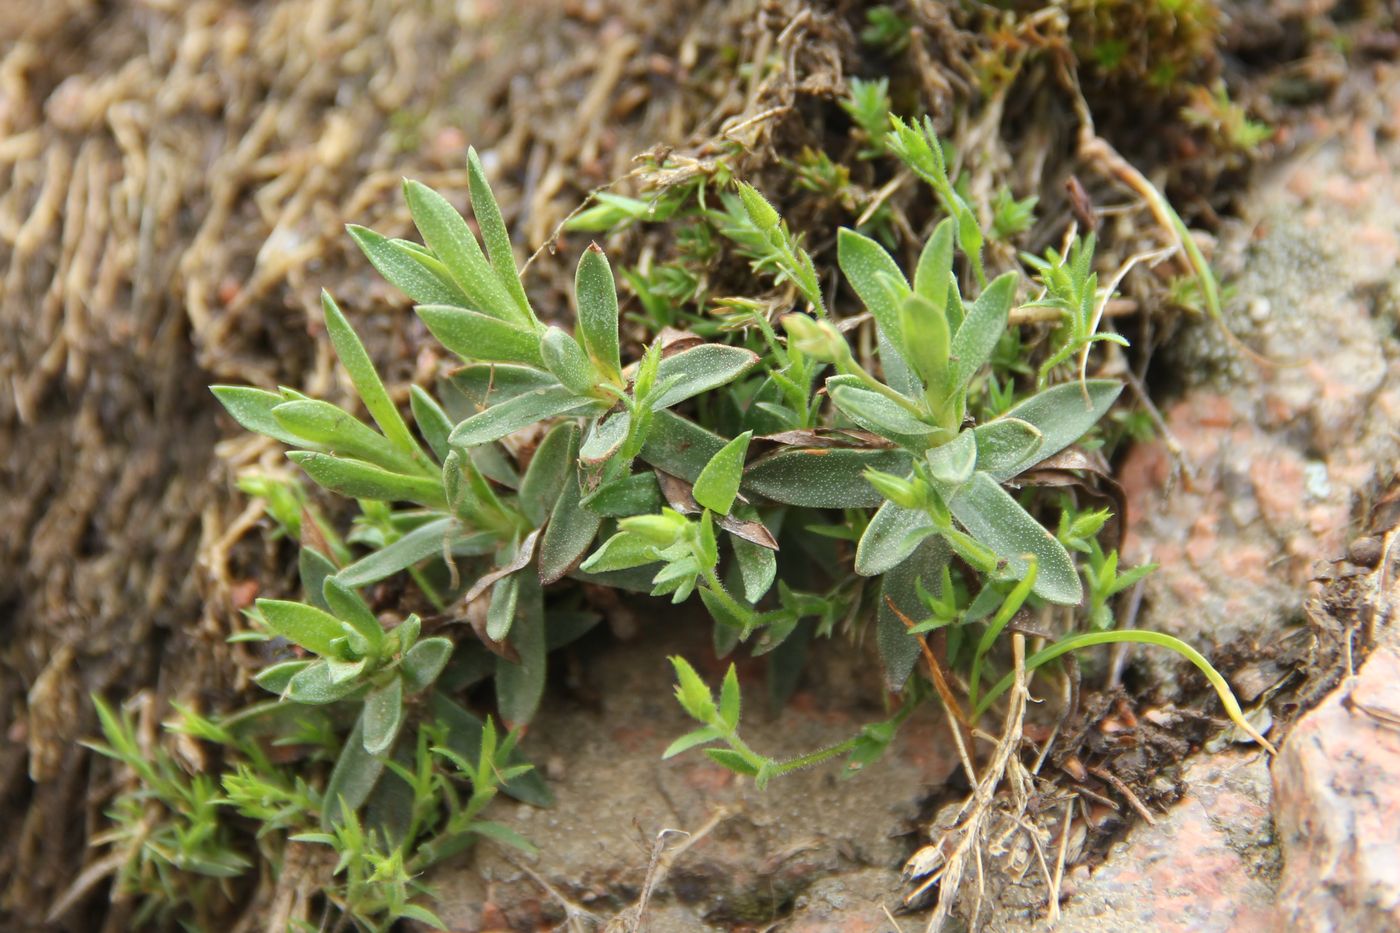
(926, 340)
(347, 606)
(419, 276)
(596, 294)
(690, 740)
(729, 698)
(475, 336)
(452, 241)
(331, 428)
(494, 234)
(382, 716)
(620, 552)
(475, 388)
(605, 437)
(823, 478)
(679, 446)
(566, 360)
(1005, 442)
(728, 758)
(356, 361)
(718, 483)
(252, 408)
(428, 540)
(519, 412)
(278, 677)
(934, 273)
(519, 687)
(699, 369)
(424, 662)
(315, 685)
(551, 465)
(997, 521)
(892, 535)
(568, 536)
(634, 494)
(862, 260)
(302, 625)
(899, 590)
(500, 614)
(313, 568)
(982, 328)
(952, 464)
(356, 479)
(875, 412)
(758, 567)
(432, 421)
(1063, 415)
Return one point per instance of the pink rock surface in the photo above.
(1205, 866)
(1337, 806)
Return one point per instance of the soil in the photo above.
(174, 178)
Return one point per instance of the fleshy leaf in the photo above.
(718, 483)
(302, 625)
(997, 521)
(550, 467)
(383, 716)
(823, 478)
(892, 535)
(596, 293)
(1063, 415)
(700, 369)
(419, 276)
(1005, 442)
(519, 412)
(953, 463)
(356, 479)
(566, 360)
(353, 778)
(475, 336)
(252, 409)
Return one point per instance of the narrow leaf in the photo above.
(421, 278)
(451, 240)
(997, 521)
(1063, 414)
(432, 421)
(382, 716)
(605, 437)
(823, 478)
(494, 234)
(331, 428)
(252, 408)
(519, 412)
(875, 412)
(424, 662)
(302, 625)
(356, 361)
(353, 778)
(551, 465)
(863, 261)
(718, 484)
(475, 336)
(892, 535)
(982, 328)
(698, 370)
(1005, 442)
(347, 606)
(596, 294)
(356, 479)
(519, 687)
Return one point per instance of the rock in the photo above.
(1207, 865)
(1337, 805)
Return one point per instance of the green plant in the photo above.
(877, 445)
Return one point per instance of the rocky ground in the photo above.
(171, 203)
